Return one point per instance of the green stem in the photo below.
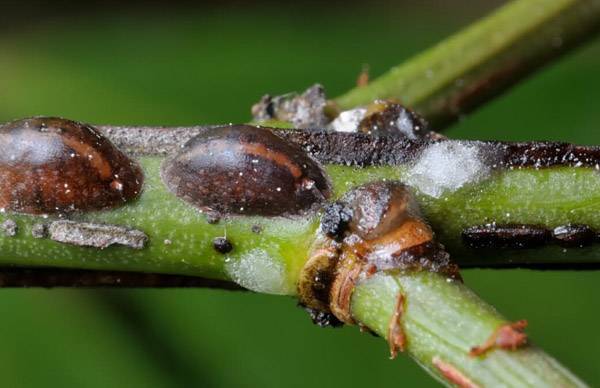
(442, 321)
(474, 65)
(269, 258)
(180, 238)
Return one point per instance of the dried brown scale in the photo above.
(95, 235)
(304, 110)
(53, 165)
(385, 232)
(452, 374)
(62, 277)
(509, 337)
(505, 236)
(245, 170)
(519, 236)
(396, 335)
(349, 269)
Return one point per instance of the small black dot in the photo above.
(222, 245)
(257, 229)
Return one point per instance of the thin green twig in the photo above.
(469, 68)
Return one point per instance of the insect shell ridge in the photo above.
(246, 170)
(51, 165)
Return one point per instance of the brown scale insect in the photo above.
(505, 236)
(520, 236)
(373, 228)
(243, 169)
(54, 165)
(392, 233)
(387, 117)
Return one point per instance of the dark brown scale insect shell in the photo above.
(379, 208)
(243, 169)
(385, 117)
(54, 165)
(505, 236)
(374, 227)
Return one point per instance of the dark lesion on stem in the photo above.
(50, 277)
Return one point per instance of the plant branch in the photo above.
(180, 238)
(483, 60)
(443, 320)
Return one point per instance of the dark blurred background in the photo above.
(170, 63)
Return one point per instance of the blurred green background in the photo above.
(159, 64)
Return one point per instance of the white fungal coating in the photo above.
(258, 271)
(348, 120)
(447, 166)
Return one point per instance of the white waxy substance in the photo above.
(447, 166)
(405, 125)
(348, 120)
(258, 271)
